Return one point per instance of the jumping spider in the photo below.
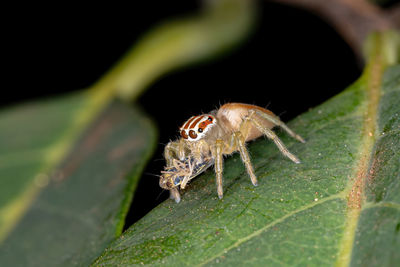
(206, 138)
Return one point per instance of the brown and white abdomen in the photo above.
(232, 115)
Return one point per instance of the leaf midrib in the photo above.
(353, 193)
(372, 78)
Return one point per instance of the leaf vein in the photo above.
(268, 226)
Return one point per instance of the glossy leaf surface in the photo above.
(334, 208)
(69, 165)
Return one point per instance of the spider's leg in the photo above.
(246, 125)
(199, 150)
(174, 194)
(181, 149)
(174, 150)
(170, 152)
(271, 135)
(245, 157)
(275, 120)
(219, 166)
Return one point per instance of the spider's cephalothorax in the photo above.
(206, 138)
(196, 127)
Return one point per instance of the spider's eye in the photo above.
(192, 134)
(200, 130)
(183, 134)
(210, 119)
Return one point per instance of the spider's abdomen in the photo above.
(232, 115)
(195, 127)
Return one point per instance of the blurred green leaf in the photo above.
(29, 144)
(340, 206)
(84, 206)
(69, 165)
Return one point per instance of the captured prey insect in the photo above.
(206, 138)
(173, 176)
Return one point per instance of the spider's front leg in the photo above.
(198, 151)
(173, 150)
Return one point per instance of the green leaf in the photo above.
(85, 197)
(339, 206)
(33, 137)
(69, 165)
(84, 206)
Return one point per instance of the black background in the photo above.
(292, 62)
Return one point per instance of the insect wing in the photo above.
(200, 166)
(188, 168)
